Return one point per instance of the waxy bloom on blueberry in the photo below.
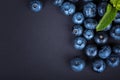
(80, 43)
(77, 30)
(78, 18)
(68, 8)
(77, 64)
(99, 66)
(36, 5)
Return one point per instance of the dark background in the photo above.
(38, 46)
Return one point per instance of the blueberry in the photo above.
(102, 8)
(74, 1)
(78, 18)
(116, 49)
(108, 27)
(68, 8)
(91, 51)
(113, 61)
(36, 5)
(90, 23)
(58, 2)
(80, 43)
(89, 10)
(77, 30)
(88, 34)
(99, 66)
(77, 64)
(117, 19)
(101, 38)
(104, 52)
(115, 32)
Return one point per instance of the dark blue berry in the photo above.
(90, 23)
(74, 1)
(80, 43)
(68, 8)
(115, 32)
(88, 34)
(78, 18)
(117, 19)
(102, 8)
(99, 66)
(58, 2)
(77, 30)
(89, 10)
(101, 38)
(116, 49)
(36, 5)
(91, 51)
(77, 64)
(113, 60)
(104, 52)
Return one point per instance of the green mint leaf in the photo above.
(116, 4)
(108, 17)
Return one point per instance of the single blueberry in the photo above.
(80, 43)
(58, 2)
(77, 30)
(104, 52)
(113, 60)
(88, 34)
(115, 32)
(99, 66)
(89, 10)
(77, 64)
(78, 18)
(90, 23)
(91, 51)
(101, 38)
(108, 27)
(68, 8)
(36, 5)
(116, 49)
(102, 8)
(117, 19)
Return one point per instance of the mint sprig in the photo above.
(109, 15)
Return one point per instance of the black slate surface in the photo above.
(39, 46)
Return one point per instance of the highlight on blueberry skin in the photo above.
(102, 8)
(115, 32)
(90, 23)
(77, 30)
(104, 52)
(99, 66)
(80, 43)
(101, 38)
(91, 51)
(68, 8)
(89, 10)
(58, 2)
(77, 64)
(88, 34)
(116, 49)
(36, 5)
(78, 18)
(113, 60)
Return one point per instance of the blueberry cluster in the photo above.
(97, 47)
